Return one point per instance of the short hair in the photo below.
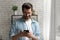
(27, 6)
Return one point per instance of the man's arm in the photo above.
(13, 34)
(15, 37)
(35, 38)
(31, 35)
(18, 35)
(37, 30)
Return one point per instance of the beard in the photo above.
(27, 17)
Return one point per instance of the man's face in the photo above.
(27, 13)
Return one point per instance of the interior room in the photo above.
(47, 12)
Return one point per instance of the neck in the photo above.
(26, 18)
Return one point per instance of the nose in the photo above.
(27, 14)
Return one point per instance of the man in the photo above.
(25, 28)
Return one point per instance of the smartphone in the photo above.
(26, 31)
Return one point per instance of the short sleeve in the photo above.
(37, 30)
(13, 30)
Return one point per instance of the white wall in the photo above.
(52, 28)
(6, 12)
(47, 19)
(57, 19)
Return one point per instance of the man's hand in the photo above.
(30, 35)
(21, 34)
